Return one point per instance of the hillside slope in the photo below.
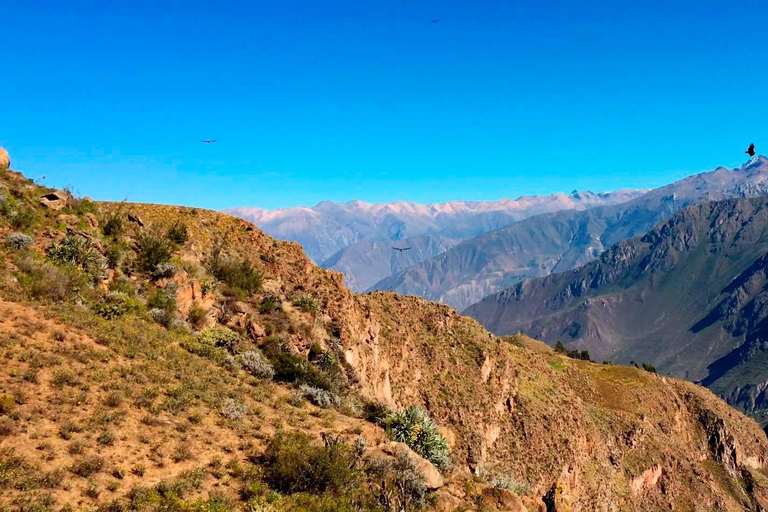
(327, 228)
(156, 396)
(564, 240)
(688, 297)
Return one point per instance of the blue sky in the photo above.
(368, 100)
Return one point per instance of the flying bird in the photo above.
(401, 249)
(206, 141)
(436, 21)
(751, 150)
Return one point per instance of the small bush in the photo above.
(649, 367)
(233, 410)
(256, 364)
(87, 466)
(220, 337)
(414, 427)
(22, 220)
(63, 378)
(196, 315)
(269, 304)
(151, 251)
(293, 368)
(317, 396)
(67, 429)
(106, 438)
(115, 304)
(50, 282)
(510, 484)
(238, 274)
(397, 485)
(294, 463)
(178, 233)
(81, 253)
(163, 271)
(114, 224)
(306, 303)
(18, 241)
(7, 403)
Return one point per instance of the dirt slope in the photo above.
(574, 435)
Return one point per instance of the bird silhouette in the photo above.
(207, 141)
(750, 150)
(436, 21)
(401, 249)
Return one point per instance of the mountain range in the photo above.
(328, 229)
(690, 297)
(556, 242)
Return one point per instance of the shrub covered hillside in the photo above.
(168, 358)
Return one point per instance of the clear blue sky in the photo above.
(366, 99)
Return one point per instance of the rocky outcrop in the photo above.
(5, 160)
(56, 200)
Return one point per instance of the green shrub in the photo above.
(306, 303)
(79, 252)
(116, 304)
(269, 304)
(293, 368)
(50, 282)
(151, 251)
(22, 220)
(294, 463)
(649, 367)
(220, 337)
(178, 233)
(196, 315)
(87, 466)
(414, 427)
(510, 484)
(238, 274)
(122, 286)
(114, 224)
(6, 404)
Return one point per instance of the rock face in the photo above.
(689, 297)
(5, 160)
(557, 242)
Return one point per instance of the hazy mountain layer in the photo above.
(564, 240)
(327, 228)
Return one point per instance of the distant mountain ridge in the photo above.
(327, 228)
(556, 242)
(690, 297)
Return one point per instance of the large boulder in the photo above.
(56, 200)
(432, 477)
(503, 499)
(5, 160)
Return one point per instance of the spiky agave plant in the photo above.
(414, 427)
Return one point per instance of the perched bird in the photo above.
(208, 141)
(751, 150)
(436, 21)
(401, 249)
